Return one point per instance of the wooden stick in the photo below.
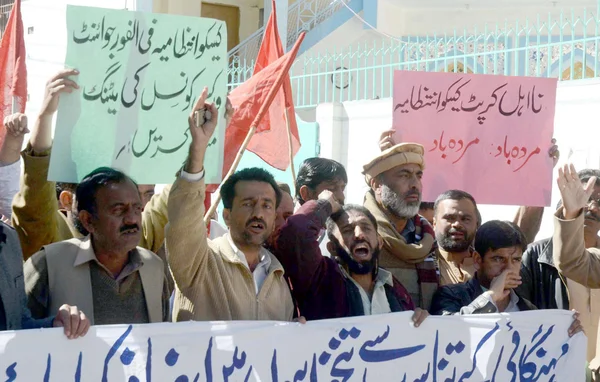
(291, 147)
(236, 162)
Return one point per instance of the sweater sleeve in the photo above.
(571, 257)
(298, 249)
(186, 237)
(35, 206)
(154, 220)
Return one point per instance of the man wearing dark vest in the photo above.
(350, 283)
(105, 274)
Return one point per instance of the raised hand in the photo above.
(201, 131)
(330, 197)
(575, 196)
(58, 84)
(386, 140)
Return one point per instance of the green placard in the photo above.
(140, 75)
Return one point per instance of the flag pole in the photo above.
(14, 105)
(232, 169)
(291, 148)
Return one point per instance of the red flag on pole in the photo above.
(251, 101)
(13, 73)
(271, 141)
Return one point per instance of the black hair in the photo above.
(497, 234)
(253, 174)
(85, 193)
(585, 175)
(426, 206)
(457, 195)
(346, 208)
(60, 187)
(314, 171)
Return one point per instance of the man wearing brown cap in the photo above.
(395, 180)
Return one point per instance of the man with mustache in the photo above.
(394, 177)
(233, 277)
(355, 285)
(576, 250)
(105, 274)
(547, 288)
(455, 223)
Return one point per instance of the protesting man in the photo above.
(455, 223)
(36, 214)
(395, 180)
(318, 174)
(355, 286)
(499, 247)
(575, 254)
(233, 277)
(14, 314)
(105, 274)
(546, 288)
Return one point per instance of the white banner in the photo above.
(529, 346)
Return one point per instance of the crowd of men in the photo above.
(109, 251)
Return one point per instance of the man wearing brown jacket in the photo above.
(37, 217)
(233, 277)
(574, 258)
(394, 199)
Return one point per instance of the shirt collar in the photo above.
(86, 254)
(263, 258)
(448, 256)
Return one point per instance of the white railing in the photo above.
(303, 15)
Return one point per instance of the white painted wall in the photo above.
(349, 133)
(401, 18)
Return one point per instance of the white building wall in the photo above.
(350, 133)
(351, 47)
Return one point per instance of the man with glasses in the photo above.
(548, 286)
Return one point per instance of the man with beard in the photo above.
(576, 249)
(105, 274)
(546, 288)
(395, 180)
(233, 277)
(455, 223)
(353, 286)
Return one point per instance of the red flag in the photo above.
(271, 141)
(251, 101)
(13, 73)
